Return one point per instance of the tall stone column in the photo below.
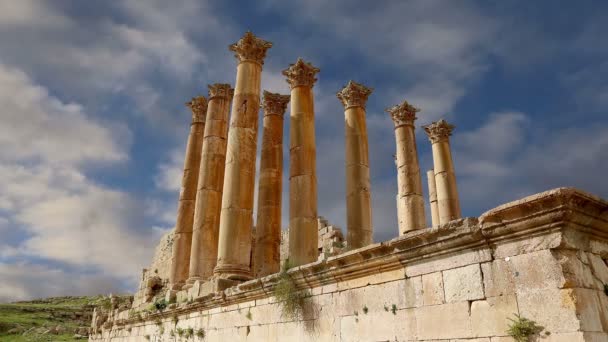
(236, 217)
(182, 237)
(303, 232)
(210, 183)
(430, 176)
(358, 185)
(410, 203)
(445, 178)
(266, 254)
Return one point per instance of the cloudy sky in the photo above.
(93, 127)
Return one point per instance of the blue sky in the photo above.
(93, 123)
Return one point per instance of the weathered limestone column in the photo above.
(430, 176)
(180, 258)
(303, 232)
(445, 179)
(358, 185)
(236, 218)
(410, 203)
(210, 183)
(267, 258)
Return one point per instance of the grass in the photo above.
(522, 329)
(46, 313)
(290, 299)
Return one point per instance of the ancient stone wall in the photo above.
(543, 258)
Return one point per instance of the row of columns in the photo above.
(213, 233)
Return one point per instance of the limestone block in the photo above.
(576, 269)
(379, 326)
(446, 262)
(412, 288)
(498, 278)
(432, 289)
(536, 270)
(527, 245)
(490, 317)
(598, 267)
(443, 321)
(463, 283)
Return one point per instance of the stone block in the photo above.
(447, 321)
(463, 283)
(528, 245)
(598, 267)
(537, 270)
(498, 278)
(379, 326)
(432, 289)
(446, 262)
(412, 290)
(576, 269)
(490, 317)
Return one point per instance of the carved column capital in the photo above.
(301, 74)
(438, 131)
(354, 95)
(198, 106)
(274, 104)
(220, 90)
(403, 114)
(250, 48)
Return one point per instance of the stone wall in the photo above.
(543, 257)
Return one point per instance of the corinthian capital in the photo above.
(403, 114)
(438, 131)
(274, 104)
(354, 95)
(301, 74)
(250, 48)
(198, 106)
(220, 90)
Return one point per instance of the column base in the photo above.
(232, 272)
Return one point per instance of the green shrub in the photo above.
(288, 296)
(522, 329)
(200, 333)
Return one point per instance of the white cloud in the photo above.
(23, 281)
(30, 13)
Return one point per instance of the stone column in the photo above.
(182, 237)
(268, 224)
(210, 182)
(430, 176)
(303, 232)
(445, 179)
(358, 194)
(410, 203)
(236, 217)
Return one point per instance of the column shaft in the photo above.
(358, 185)
(410, 203)
(185, 210)
(445, 178)
(303, 230)
(270, 188)
(211, 180)
(236, 220)
(430, 175)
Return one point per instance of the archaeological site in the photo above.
(530, 270)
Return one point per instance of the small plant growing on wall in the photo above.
(248, 315)
(180, 332)
(175, 319)
(200, 333)
(189, 333)
(147, 337)
(365, 309)
(286, 293)
(394, 309)
(160, 305)
(522, 329)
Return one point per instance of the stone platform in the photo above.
(542, 257)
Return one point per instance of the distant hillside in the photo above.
(49, 319)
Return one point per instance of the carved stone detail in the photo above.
(250, 48)
(220, 90)
(301, 74)
(438, 131)
(274, 104)
(403, 114)
(354, 95)
(198, 106)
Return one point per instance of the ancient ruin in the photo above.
(538, 263)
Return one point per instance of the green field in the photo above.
(28, 321)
